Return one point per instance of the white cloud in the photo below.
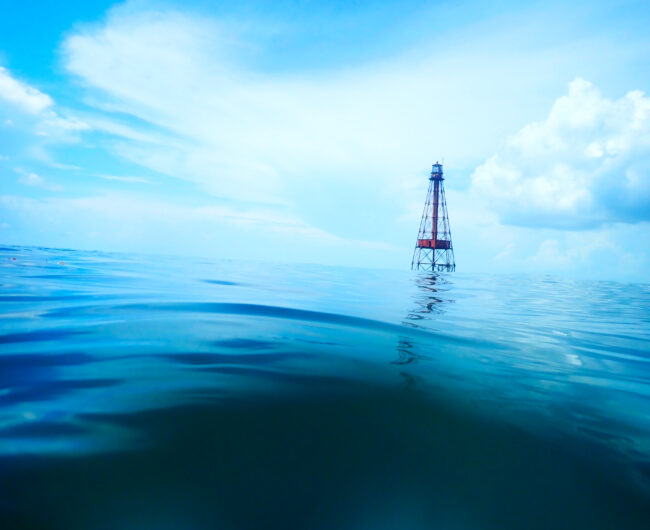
(586, 164)
(42, 155)
(594, 253)
(60, 127)
(550, 254)
(23, 95)
(36, 181)
(116, 128)
(343, 147)
(120, 178)
(31, 179)
(125, 222)
(35, 112)
(239, 134)
(256, 135)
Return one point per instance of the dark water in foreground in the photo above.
(184, 394)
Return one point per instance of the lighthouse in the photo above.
(433, 248)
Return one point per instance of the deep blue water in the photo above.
(155, 393)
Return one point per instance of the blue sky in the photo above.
(304, 131)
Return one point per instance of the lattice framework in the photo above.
(433, 248)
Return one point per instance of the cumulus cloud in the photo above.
(586, 164)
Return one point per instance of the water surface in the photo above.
(182, 393)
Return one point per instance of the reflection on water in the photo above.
(426, 302)
(194, 394)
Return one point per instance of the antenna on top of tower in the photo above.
(433, 248)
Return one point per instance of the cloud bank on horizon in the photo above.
(187, 131)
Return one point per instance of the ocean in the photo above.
(177, 393)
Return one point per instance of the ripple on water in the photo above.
(280, 394)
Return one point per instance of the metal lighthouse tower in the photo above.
(433, 248)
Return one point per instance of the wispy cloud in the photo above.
(23, 95)
(247, 134)
(119, 178)
(35, 120)
(31, 179)
(36, 181)
(123, 221)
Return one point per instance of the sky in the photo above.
(304, 131)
